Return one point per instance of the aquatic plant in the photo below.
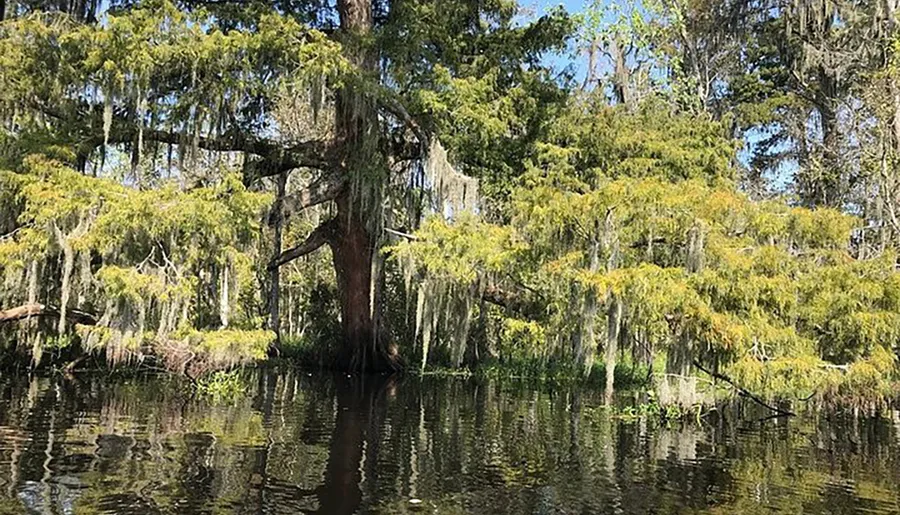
(222, 385)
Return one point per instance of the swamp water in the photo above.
(301, 443)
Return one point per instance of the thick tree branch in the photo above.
(260, 167)
(320, 236)
(309, 154)
(276, 157)
(40, 310)
(521, 303)
(321, 190)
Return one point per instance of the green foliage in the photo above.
(157, 248)
(221, 385)
(464, 252)
(655, 141)
(228, 347)
(766, 291)
(148, 52)
(137, 153)
(477, 77)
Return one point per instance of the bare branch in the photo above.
(16, 230)
(320, 236)
(401, 234)
(744, 392)
(321, 190)
(393, 106)
(40, 310)
(311, 154)
(276, 157)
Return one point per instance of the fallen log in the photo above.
(37, 310)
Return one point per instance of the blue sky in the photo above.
(542, 5)
(539, 7)
(578, 63)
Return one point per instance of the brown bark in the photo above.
(320, 236)
(35, 310)
(354, 246)
(349, 235)
(320, 191)
(364, 348)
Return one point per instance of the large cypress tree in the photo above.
(199, 79)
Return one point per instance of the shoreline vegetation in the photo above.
(637, 386)
(635, 397)
(386, 187)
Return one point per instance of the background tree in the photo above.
(634, 240)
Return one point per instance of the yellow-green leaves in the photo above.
(151, 249)
(653, 142)
(641, 209)
(462, 252)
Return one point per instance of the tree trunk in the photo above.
(590, 75)
(890, 198)
(290, 316)
(224, 301)
(275, 273)
(621, 75)
(612, 344)
(32, 325)
(353, 249)
(350, 233)
(352, 244)
(831, 187)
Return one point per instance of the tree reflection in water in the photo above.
(301, 443)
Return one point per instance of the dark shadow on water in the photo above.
(360, 401)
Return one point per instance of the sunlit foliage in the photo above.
(145, 260)
(768, 293)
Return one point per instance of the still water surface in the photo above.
(300, 443)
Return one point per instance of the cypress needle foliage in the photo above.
(631, 234)
(146, 261)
